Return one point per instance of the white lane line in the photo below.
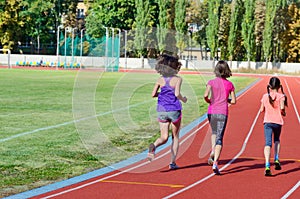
(144, 163)
(69, 122)
(292, 99)
(291, 191)
(78, 120)
(224, 167)
(121, 172)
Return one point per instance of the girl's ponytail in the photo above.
(270, 98)
(285, 97)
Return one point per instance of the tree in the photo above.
(116, 14)
(260, 12)
(141, 27)
(248, 26)
(223, 33)
(11, 23)
(280, 25)
(232, 40)
(162, 27)
(201, 17)
(39, 20)
(213, 24)
(271, 7)
(180, 24)
(292, 34)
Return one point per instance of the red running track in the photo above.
(241, 162)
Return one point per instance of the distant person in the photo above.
(217, 93)
(168, 105)
(273, 104)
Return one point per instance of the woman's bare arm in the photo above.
(207, 93)
(178, 90)
(155, 90)
(232, 98)
(262, 108)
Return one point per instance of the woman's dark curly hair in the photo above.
(167, 65)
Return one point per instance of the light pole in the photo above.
(81, 45)
(125, 49)
(57, 45)
(67, 29)
(106, 46)
(112, 46)
(119, 46)
(190, 38)
(73, 46)
(81, 38)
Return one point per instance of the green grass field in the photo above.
(58, 124)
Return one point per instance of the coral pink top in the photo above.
(273, 114)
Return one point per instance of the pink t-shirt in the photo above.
(273, 114)
(220, 89)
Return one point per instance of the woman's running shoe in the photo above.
(173, 166)
(216, 169)
(277, 165)
(268, 171)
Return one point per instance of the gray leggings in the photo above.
(218, 124)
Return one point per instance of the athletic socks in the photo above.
(276, 157)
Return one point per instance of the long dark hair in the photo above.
(274, 83)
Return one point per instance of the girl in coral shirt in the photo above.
(273, 104)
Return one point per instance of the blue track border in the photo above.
(114, 167)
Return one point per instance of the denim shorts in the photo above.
(269, 129)
(171, 116)
(218, 124)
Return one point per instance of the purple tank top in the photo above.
(167, 101)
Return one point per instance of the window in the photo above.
(80, 13)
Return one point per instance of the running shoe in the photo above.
(211, 159)
(173, 166)
(268, 172)
(151, 152)
(216, 169)
(277, 165)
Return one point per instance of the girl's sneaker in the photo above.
(216, 169)
(151, 152)
(268, 171)
(277, 165)
(173, 166)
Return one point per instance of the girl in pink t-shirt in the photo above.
(273, 104)
(219, 90)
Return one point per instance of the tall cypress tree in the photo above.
(248, 26)
(260, 13)
(233, 29)
(180, 24)
(281, 17)
(213, 24)
(162, 27)
(271, 8)
(141, 23)
(223, 33)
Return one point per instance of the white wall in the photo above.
(136, 63)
